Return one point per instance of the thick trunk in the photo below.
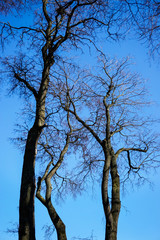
(110, 234)
(27, 194)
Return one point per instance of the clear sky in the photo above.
(83, 216)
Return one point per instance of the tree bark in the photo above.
(105, 197)
(58, 223)
(112, 209)
(28, 185)
(27, 193)
(56, 220)
(116, 203)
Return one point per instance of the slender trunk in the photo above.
(112, 209)
(58, 223)
(105, 200)
(105, 197)
(56, 220)
(116, 203)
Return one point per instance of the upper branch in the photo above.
(132, 149)
(60, 160)
(130, 164)
(108, 118)
(74, 112)
(21, 28)
(45, 11)
(38, 191)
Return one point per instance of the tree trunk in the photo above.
(112, 209)
(105, 198)
(58, 223)
(27, 193)
(28, 185)
(110, 234)
(116, 203)
(56, 220)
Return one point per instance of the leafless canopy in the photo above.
(115, 140)
(110, 88)
(15, 6)
(145, 17)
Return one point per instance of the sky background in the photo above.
(83, 216)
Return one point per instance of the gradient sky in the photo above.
(83, 216)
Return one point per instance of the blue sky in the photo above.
(83, 216)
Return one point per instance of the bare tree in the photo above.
(120, 144)
(57, 25)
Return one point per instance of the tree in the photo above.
(119, 142)
(57, 25)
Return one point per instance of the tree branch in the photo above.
(38, 192)
(32, 89)
(131, 149)
(84, 123)
(130, 164)
(45, 11)
(22, 28)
